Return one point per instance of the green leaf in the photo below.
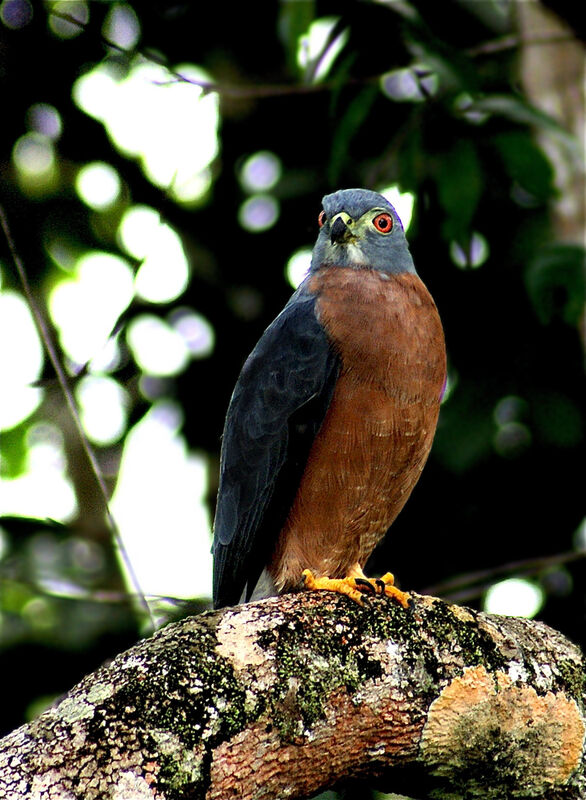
(413, 84)
(518, 110)
(526, 163)
(14, 450)
(556, 282)
(558, 419)
(348, 127)
(460, 181)
(295, 17)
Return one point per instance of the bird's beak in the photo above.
(339, 228)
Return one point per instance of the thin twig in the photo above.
(513, 41)
(460, 586)
(233, 92)
(54, 358)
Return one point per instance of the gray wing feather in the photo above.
(276, 410)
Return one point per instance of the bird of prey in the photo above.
(333, 415)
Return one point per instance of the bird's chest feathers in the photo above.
(380, 423)
(386, 330)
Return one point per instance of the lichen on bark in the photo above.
(287, 696)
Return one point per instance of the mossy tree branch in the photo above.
(287, 696)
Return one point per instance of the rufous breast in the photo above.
(379, 427)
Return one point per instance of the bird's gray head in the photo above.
(361, 229)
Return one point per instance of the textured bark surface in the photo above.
(284, 697)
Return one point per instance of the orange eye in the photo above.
(321, 219)
(383, 223)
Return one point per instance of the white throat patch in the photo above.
(355, 254)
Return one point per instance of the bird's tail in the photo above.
(265, 587)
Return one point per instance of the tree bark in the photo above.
(285, 697)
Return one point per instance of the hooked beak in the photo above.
(338, 231)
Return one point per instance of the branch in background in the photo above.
(471, 585)
(54, 358)
(500, 44)
(288, 696)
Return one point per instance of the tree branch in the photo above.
(287, 696)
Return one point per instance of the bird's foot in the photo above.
(357, 587)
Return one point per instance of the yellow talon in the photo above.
(391, 590)
(355, 587)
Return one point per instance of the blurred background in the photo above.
(161, 175)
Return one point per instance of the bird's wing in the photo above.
(276, 410)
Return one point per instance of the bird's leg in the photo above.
(356, 584)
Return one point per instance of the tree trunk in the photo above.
(287, 696)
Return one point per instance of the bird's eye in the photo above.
(383, 223)
(321, 220)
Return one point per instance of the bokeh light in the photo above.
(108, 358)
(413, 84)
(514, 597)
(258, 213)
(260, 172)
(403, 203)
(195, 330)
(160, 500)
(86, 307)
(33, 155)
(298, 266)
(19, 366)
(103, 405)
(98, 185)
(4, 544)
(15, 14)
(43, 490)
(121, 26)
(63, 28)
(316, 53)
(512, 436)
(45, 119)
(163, 120)
(156, 346)
(471, 254)
(164, 272)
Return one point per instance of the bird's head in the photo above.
(360, 229)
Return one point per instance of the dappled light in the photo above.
(258, 213)
(158, 348)
(19, 366)
(260, 172)
(512, 436)
(164, 270)
(317, 50)
(413, 84)
(195, 330)
(15, 14)
(103, 405)
(62, 27)
(98, 185)
(158, 504)
(163, 120)
(121, 26)
(86, 307)
(36, 166)
(298, 266)
(45, 120)
(404, 203)
(514, 597)
(472, 254)
(42, 489)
